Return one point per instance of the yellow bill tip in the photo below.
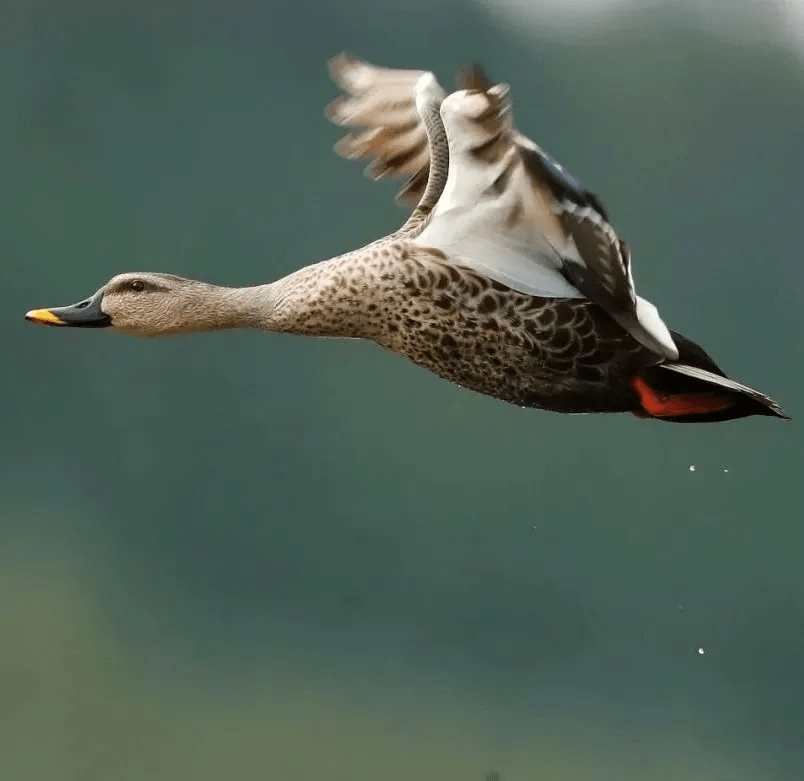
(44, 316)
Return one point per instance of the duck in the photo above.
(506, 278)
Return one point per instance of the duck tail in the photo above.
(694, 389)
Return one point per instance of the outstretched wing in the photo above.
(507, 209)
(380, 104)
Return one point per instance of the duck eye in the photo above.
(137, 285)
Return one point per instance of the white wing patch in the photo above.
(471, 237)
(498, 216)
(489, 218)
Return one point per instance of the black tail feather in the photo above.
(696, 373)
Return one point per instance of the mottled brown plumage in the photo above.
(558, 354)
(565, 355)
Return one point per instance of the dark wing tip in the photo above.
(473, 77)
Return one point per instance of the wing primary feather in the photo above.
(473, 77)
(379, 103)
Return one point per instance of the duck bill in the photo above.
(84, 314)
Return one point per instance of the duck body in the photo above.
(565, 355)
(560, 354)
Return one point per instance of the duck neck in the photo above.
(325, 299)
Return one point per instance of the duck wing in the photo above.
(506, 208)
(509, 211)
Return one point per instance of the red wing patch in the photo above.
(661, 406)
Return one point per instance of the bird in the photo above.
(506, 278)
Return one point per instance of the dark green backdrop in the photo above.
(250, 556)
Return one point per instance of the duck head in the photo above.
(141, 303)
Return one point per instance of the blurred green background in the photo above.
(242, 555)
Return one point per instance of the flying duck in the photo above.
(507, 278)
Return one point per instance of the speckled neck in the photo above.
(335, 297)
